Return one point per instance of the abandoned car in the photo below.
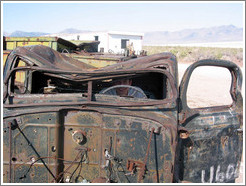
(61, 125)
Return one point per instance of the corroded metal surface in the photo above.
(213, 149)
(84, 136)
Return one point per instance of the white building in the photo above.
(110, 41)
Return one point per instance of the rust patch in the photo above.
(99, 180)
(224, 141)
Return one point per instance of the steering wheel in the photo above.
(134, 91)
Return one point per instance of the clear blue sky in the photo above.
(138, 16)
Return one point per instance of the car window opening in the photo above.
(154, 85)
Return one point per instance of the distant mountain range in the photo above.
(38, 34)
(202, 35)
(73, 31)
(24, 34)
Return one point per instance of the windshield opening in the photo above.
(149, 85)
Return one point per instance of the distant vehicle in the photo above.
(60, 126)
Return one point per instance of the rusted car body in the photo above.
(58, 127)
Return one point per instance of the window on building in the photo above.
(124, 43)
(96, 38)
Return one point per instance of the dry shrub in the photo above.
(193, 54)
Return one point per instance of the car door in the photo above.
(211, 138)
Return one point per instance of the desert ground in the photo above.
(210, 87)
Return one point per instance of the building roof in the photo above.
(100, 32)
(125, 33)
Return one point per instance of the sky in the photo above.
(119, 16)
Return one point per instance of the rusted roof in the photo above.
(46, 57)
(57, 64)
